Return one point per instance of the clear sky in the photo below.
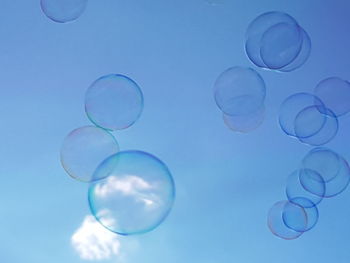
(174, 50)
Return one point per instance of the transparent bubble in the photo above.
(280, 45)
(295, 189)
(257, 29)
(311, 117)
(63, 11)
(294, 217)
(114, 102)
(276, 223)
(335, 184)
(303, 55)
(291, 108)
(245, 123)
(239, 91)
(335, 94)
(84, 149)
(135, 197)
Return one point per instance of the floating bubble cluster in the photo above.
(274, 40)
(63, 11)
(130, 192)
(136, 195)
(322, 174)
(240, 94)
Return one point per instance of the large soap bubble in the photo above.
(291, 108)
(84, 149)
(63, 11)
(245, 123)
(114, 102)
(135, 197)
(335, 93)
(239, 91)
(293, 216)
(277, 225)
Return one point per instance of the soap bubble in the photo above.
(291, 108)
(280, 45)
(276, 223)
(239, 91)
(336, 174)
(245, 123)
(293, 217)
(295, 189)
(63, 11)
(84, 149)
(303, 55)
(257, 29)
(312, 117)
(335, 94)
(114, 102)
(135, 197)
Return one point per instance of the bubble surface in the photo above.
(335, 94)
(292, 106)
(257, 29)
(245, 123)
(278, 227)
(239, 91)
(63, 11)
(280, 45)
(293, 216)
(114, 102)
(84, 149)
(135, 197)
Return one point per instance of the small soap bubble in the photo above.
(239, 91)
(136, 195)
(63, 11)
(114, 102)
(84, 149)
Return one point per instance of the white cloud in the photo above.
(93, 242)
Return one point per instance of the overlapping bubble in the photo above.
(274, 40)
(63, 11)
(323, 173)
(114, 102)
(240, 94)
(136, 195)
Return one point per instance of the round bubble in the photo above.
(84, 149)
(280, 45)
(293, 217)
(335, 93)
(312, 117)
(245, 123)
(257, 29)
(336, 184)
(63, 11)
(295, 189)
(292, 106)
(114, 102)
(239, 91)
(278, 227)
(303, 55)
(135, 197)
(323, 161)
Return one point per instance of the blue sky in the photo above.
(174, 50)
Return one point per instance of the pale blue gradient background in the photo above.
(174, 50)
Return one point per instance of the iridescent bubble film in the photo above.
(114, 102)
(136, 195)
(84, 149)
